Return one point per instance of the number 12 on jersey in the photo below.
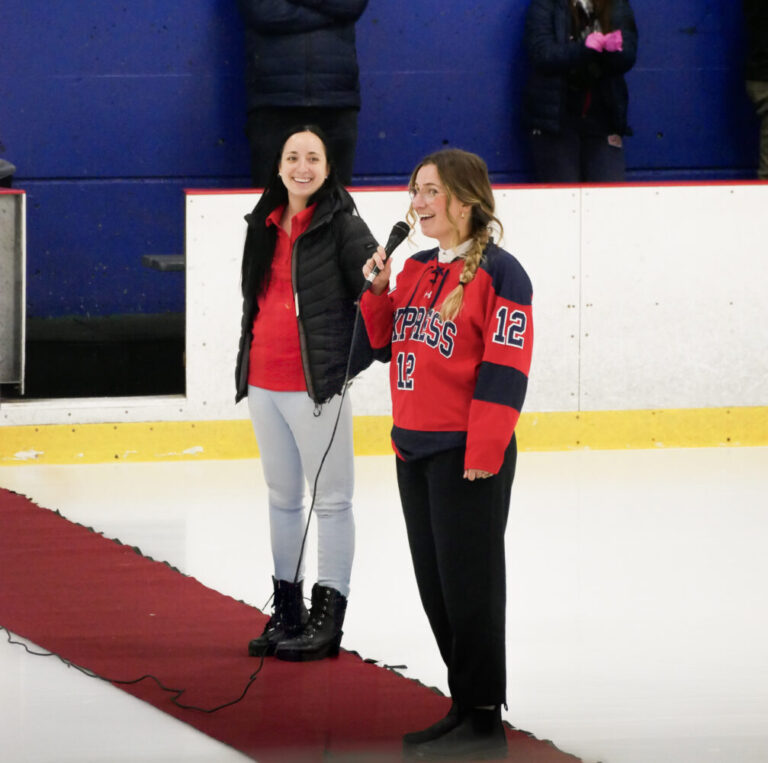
(406, 363)
(510, 328)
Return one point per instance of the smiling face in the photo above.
(303, 167)
(446, 221)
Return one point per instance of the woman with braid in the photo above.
(457, 328)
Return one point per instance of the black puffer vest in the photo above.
(326, 267)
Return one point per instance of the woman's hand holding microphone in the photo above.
(381, 282)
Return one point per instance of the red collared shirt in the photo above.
(275, 357)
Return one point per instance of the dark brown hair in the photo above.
(602, 9)
(259, 249)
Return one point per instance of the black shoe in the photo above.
(443, 726)
(479, 736)
(321, 636)
(288, 618)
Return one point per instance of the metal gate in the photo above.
(12, 287)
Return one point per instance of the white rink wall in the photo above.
(645, 297)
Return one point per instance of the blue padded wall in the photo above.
(110, 109)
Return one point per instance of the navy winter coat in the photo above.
(554, 55)
(301, 52)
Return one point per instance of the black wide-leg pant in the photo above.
(456, 534)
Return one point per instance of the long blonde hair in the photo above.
(465, 176)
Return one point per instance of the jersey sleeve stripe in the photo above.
(503, 385)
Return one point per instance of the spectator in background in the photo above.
(301, 68)
(576, 98)
(6, 173)
(756, 20)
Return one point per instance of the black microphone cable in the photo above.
(399, 232)
(177, 693)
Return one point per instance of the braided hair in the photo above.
(465, 176)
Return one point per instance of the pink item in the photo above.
(596, 41)
(613, 41)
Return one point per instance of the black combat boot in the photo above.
(480, 735)
(322, 635)
(289, 616)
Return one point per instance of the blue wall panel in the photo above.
(137, 126)
(88, 240)
(436, 74)
(110, 109)
(112, 89)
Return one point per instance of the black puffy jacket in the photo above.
(301, 52)
(756, 28)
(326, 270)
(554, 55)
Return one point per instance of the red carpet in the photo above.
(102, 606)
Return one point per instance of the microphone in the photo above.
(399, 231)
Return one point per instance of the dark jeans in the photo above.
(572, 157)
(456, 534)
(266, 126)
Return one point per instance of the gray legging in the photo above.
(292, 441)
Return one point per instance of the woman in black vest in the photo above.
(301, 274)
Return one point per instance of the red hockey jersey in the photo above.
(461, 381)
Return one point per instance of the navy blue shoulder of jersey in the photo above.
(510, 281)
(425, 255)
